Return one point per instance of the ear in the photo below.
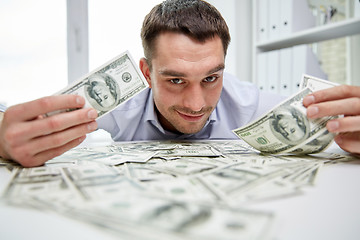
(144, 67)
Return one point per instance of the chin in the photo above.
(190, 130)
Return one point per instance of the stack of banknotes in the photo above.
(286, 129)
(166, 190)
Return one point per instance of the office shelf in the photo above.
(326, 32)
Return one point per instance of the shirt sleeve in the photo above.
(2, 108)
(267, 101)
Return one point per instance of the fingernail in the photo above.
(332, 126)
(81, 139)
(312, 111)
(309, 100)
(92, 114)
(79, 100)
(92, 126)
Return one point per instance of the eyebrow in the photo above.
(174, 73)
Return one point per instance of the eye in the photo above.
(176, 81)
(210, 79)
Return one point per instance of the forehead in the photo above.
(175, 50)
(175, 42)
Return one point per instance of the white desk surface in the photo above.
(329, 210)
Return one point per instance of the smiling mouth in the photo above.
(191, 117)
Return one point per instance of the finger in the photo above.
(349, 142)
(30, 110)
(60, 138)
(62, 121)
(330, 94)
(42, 157)
(344, 124)
(23, 132)
(348, 106)
(26, 152)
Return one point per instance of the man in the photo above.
(184, 62)
(185, 44)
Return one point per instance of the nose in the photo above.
(194, 97)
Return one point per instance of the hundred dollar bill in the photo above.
(111, 84)
(286, 126)
(323, 139)
(315, 84)
(315, 144)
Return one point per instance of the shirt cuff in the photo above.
(2, 108)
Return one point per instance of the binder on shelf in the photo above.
(274, 19)
(295, 15)
(262, 19)
(280, 71)
(273, 67)
(285, 72)
(304, 62)
(262, 71)
(357, 8)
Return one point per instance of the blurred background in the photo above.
(44, 45)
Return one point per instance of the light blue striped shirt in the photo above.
(240, 102)
(2, 108)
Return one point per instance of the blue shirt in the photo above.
(240, 102)
(2, 108)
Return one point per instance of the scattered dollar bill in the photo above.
(286, 129)
(105, 88)
(100, 155)
(188, 152)
(193, 196)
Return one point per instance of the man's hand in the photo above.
(340, 100)
(31, 139)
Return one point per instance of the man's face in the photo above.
(186, 80)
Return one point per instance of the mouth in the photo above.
(191, 117)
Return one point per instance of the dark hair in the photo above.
(194, 18)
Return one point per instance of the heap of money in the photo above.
(286, 130)
(166, 189)
(109, 85)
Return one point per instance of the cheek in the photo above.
(163, 97)
(213, 95)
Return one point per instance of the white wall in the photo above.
(237, 14)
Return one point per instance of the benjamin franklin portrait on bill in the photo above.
(289, 125)
(102, 92)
